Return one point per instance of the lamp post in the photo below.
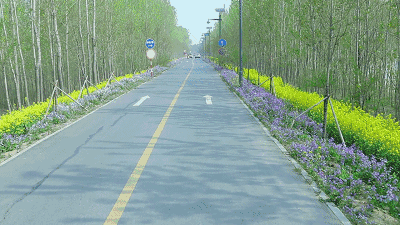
(220, 11)
(240, 45)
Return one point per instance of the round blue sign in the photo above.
(222, 42)
(150, 43)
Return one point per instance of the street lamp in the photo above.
(220, 10)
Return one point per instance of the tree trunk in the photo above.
(33, 8)
(328, 71)
(3, 61)
(20, 52)
(16, 71)
(91, 75)
(66, 49)
(397, 90)
(94, 69)
(51, 46)
(5, 82)
(80, 33)
(37, 33)
(60, 72)
(357, 93)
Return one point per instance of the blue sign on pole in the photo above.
(150, 43)
(222, 42)
(206, 34)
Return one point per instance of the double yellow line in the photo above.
(123, 199)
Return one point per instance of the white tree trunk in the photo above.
(51, 46)
(94, 44)
(66, 48)
(60, 72)
(3, 59)
(80, 32)
(88, 43)
(34, 33)
(5, 83)
(20, 51)
(37, 30)
(16, 71)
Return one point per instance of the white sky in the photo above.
(193, 15)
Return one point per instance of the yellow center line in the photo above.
(123, 199)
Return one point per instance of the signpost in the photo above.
(151, 53)
(150, 43)
(222, 42)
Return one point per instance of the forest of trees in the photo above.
(356, 42)
(47, 40)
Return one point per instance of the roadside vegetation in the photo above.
(363, 186)
(354, 42)
(23, 127)
(47, 41)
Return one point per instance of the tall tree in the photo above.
(20, 50)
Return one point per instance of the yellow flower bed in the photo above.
(356, 124)
(15, 121)
(365, 126)
(12, 123)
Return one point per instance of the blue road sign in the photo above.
(222, 42)
(150, 43)
(206, 34)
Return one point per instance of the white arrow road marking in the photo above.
(208, 99)
(141, 100)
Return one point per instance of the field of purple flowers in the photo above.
(10, 142)
(363, 188)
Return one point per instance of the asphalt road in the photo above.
(183, 161)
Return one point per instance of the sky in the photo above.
(193, 15)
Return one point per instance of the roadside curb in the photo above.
(321, 194)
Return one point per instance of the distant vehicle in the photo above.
(190, 56)
(197, 56)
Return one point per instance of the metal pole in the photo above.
(220, 24)
(240, 40)
(151, 68)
